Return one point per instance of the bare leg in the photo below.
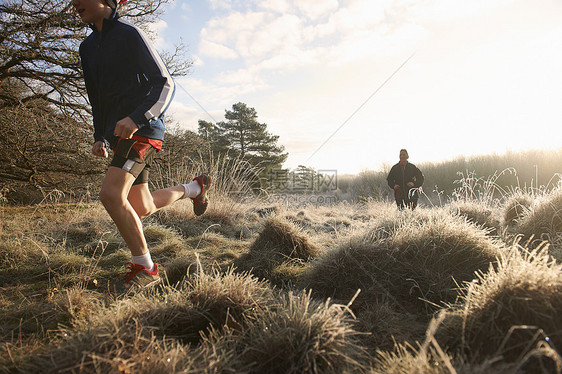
(113, 195)
(145, 203)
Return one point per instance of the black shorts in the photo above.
(134, 157)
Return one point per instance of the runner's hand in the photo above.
(125, 128)
(410, 184)
(98, 149)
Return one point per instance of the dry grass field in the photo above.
(469, 286)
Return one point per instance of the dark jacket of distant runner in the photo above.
(125, 76)
(403, 174)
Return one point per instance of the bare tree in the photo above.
(39, 42)
(44, 143)
(42, 150)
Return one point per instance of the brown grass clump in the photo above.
(421, 261)
(181, 267)
(514, 311)
(383, 325)
(154, 326)
(407, 360)
(299, 336)
(228, 299)
(437, 252)
(278, 243)
(270, 210)
(478, 213)
(544, 219)
(515, 207)
(78, 302)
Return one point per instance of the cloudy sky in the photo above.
(462, 77)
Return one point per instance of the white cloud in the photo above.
(281, 33)
(234, 31)
(222, 90)
(314, 9)
(245, 79)
(215, 50)
(292, 59)
(183, 113)
(220, 4)
(197, 61)
(278, 6)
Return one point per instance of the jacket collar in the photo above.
(107, 22)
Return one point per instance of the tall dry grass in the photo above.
(232, 194)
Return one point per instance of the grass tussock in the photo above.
(154, 323)
(516, 206)
(433, 360)
(279, 244)
(439, 252)
(514, 310)
(417, 266)
(300, 335)
(478, 213)
(544, 218)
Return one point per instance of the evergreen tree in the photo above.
(218, 144)
(249, 139)
(242, 136)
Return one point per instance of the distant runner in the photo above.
(404, 178)
(129, 88)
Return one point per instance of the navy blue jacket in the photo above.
(125, 77)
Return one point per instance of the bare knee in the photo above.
(141, 200)
(143, 212)
(143, 209)
(110, 200)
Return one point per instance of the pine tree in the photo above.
(242, 136)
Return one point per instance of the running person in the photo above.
(129, 89)
(404, 178)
